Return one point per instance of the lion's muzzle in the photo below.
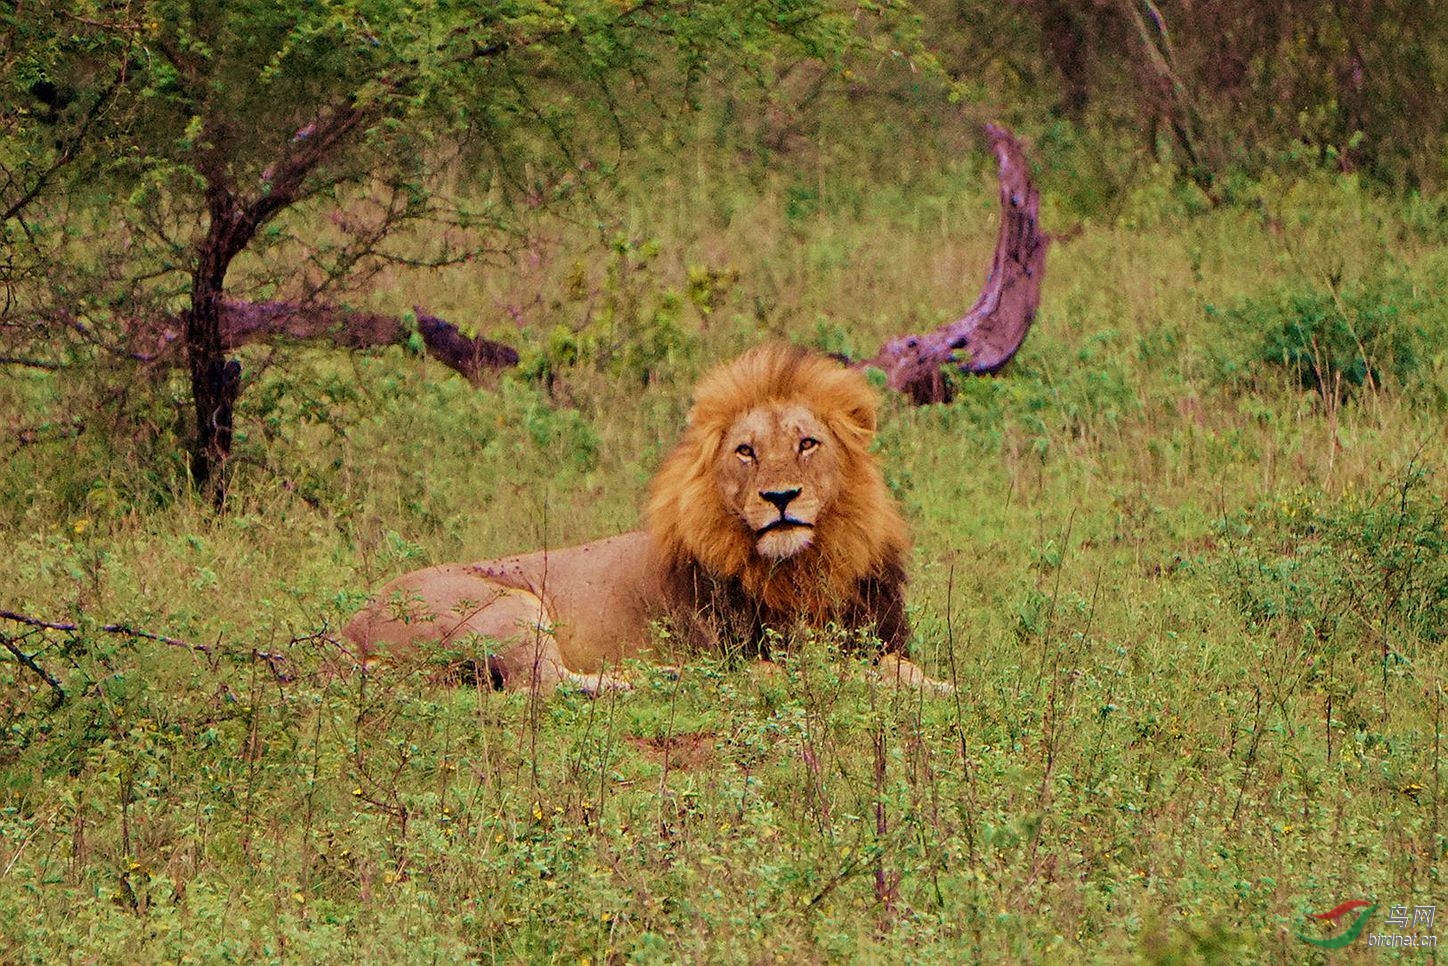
(780, 498)
(783, 538)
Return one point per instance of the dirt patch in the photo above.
(689, 750)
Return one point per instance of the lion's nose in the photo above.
(780, 498)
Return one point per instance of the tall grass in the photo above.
(1194, 608)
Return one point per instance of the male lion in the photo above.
(770, 514)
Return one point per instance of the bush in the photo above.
(1331, 341)
(1368, 568)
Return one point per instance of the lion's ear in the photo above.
(853, 426)
(865, 417)
(857, 420)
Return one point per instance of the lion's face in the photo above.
(773, 483)
(778, 470)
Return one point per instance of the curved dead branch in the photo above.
(986, 337)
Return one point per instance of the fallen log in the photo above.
(987, 337)
(245, 323)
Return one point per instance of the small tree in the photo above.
(186, 135)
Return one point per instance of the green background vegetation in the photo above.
(1187, 560)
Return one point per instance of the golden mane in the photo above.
(860, 537)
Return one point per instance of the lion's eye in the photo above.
(744, 451)
(807, 444)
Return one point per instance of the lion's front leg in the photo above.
(894, 669)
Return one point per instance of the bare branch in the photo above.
(246, 323)
(122, 629)
(125, 630)
(30, 363)
(66, 150)
(28, 660)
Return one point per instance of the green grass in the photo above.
(1195, 610)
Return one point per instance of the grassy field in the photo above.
(1187, 562)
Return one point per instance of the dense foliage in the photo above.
(203, 124)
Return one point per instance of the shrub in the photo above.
(1366, 568)
(1331, 341)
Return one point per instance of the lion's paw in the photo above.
(893, 669)
(594, 685)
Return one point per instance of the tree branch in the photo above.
(994, 328)
(310, 146)
(66, 150)
(30, 363)
(122, 629)
(245, 323)
(125, 630)
(28, 660)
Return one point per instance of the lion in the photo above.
(770, 515)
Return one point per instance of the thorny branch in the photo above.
(274, 660)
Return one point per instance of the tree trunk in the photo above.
(215, 380)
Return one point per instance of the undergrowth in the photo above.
(1187, 568)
